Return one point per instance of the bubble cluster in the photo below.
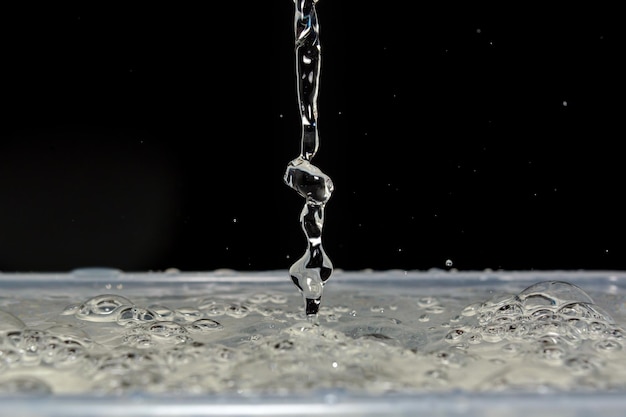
(551, 324)
(551, 335)
(57, 347)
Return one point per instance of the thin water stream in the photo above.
(313, 269)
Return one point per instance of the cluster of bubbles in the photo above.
(550, 325)
(550, 334)
(58, 347)
(146, 343)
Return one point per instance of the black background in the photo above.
(150, 136)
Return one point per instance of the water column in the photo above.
(313, 269)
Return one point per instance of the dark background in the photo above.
(147, 137)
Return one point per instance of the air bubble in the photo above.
(138, 337)
(258, 298)
(168, 331)
(212, 308)
(29, 344)
(70, 310)
(596, 330)
(277, 298)
(452, 358)
(554, 293)
(583, 364)
(332, 318)
(102, 308)
(509, 310)
(205, 325)
(470, 310)
(424, 302)
(608, 346)
(69, 333)
(576, 310)
(63, 353)
(161, 313)
(132, 316)
(538, 301)
(187, 314)
(455, 335)
(552, 354)
(493, 334)
(543, 314)
(435, 309)
(284, 345)
(9, 322)
(237, 310)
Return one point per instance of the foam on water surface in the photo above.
(224, 338)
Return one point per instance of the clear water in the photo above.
(312, 270)
(551, 336)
